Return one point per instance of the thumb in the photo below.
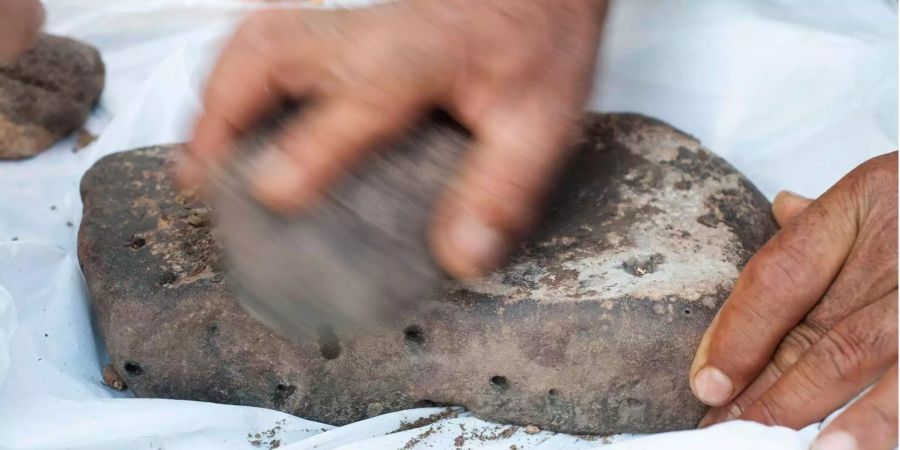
(787, 205)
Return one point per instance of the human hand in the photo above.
(516, 74)
(812, 319)
(20, 21)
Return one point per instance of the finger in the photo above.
(495, 197)
(20, 21)
(868, 423)
(322, 143)
(776, 289)
(848, 358)
(244, 85)
(794, 345)
(787, 205)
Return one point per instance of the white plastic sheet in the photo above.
(794, 95)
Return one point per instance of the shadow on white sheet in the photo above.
(793, 96)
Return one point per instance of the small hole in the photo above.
(553, 392)
(329, 346)
(281, 394)
(427, 403)
(687, 311)
(414, 334)
(134, 369)
(499, 382)
(168, 278)
(138, 242)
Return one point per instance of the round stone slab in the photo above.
(590, 328)
(47, 93)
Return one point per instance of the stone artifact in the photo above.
(47, 93)
(590, 328)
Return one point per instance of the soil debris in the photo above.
(425, 421)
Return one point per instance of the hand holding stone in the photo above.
(812, 320)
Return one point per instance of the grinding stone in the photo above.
(47, 93)
(590, 328)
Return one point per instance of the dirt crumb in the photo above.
(84, 139)
(415, 441)
(425, 421)
(112, 378)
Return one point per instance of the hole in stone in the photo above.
(640, 266)
(499, 382)
(213, 329)
(632, 402)
(414, 334)
(138, 242)
(553, 392)
(426, 403)
(329, 345)
(168, 277)
(687, 311)
(281, 394)
(133, 368)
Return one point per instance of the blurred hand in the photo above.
(20, 21)
(812, 320)
(515, 73)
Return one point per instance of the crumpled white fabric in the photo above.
(793, 95)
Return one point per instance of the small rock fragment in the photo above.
(112, 378)
(531, 429)
(85, 138)
(47, 93)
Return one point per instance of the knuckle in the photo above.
(874, 182)
(846, 354)
(771, 411)
(781, 270)
(795, 344)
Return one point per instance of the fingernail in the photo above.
(712, 386)
(836, 440)
(791, 194)
(481, 245)
(277, 178)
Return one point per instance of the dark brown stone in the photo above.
(47, 93)
(591, 328)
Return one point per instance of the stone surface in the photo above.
(590, 329)
(47, 93)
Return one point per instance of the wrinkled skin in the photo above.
(20, 21)
(516, 73)
(812, 320)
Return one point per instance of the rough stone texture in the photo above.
(47, 93)
(590, 329)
